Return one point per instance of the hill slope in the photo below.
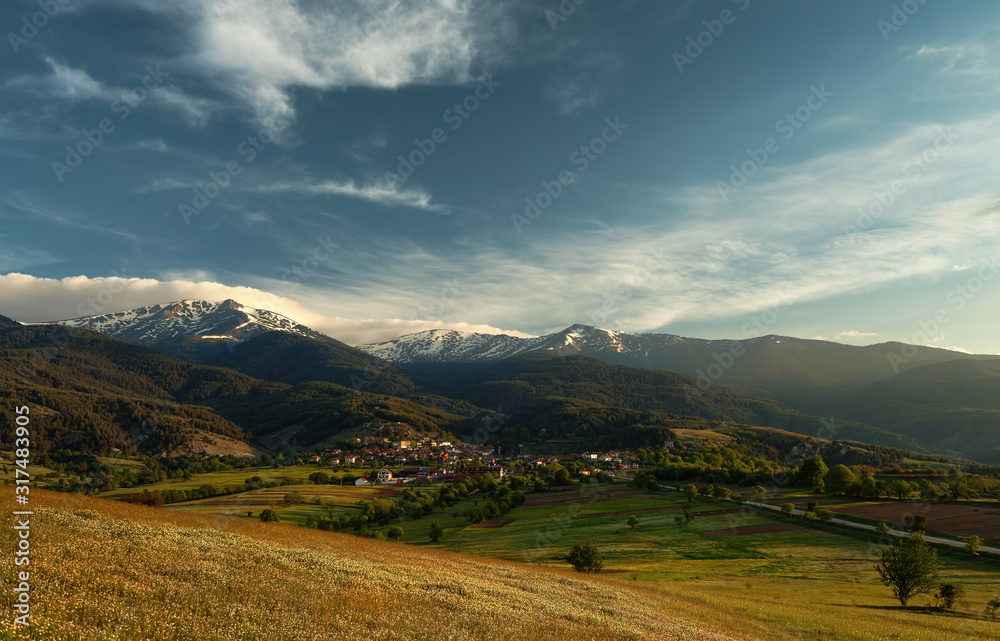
(948, 406)
(510, 385)
(219, 578)
(97, 392)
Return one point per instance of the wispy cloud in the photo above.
(379, 192)
(853, 333)
(64, 83)
(260, 50)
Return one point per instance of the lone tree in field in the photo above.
(691, 491)
(973, 545)
(269, 516)
(436, 531)
(788, 509)
(910, 567)
(585, 557)
(395, 532)
(633, 521)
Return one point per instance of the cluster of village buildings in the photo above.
(444, 460)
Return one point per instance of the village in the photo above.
(400, 461)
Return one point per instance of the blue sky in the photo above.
(719, 168)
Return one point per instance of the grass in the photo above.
(105, 570)
(185, 573)
(228, 478)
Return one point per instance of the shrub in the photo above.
(948, 594)
(395, 532)
(585, 557)
(824, 516)
(269, 516)
(633, 521)
(788, 509)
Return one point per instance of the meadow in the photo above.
(132, 573)
(805, 582)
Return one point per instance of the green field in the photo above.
(228, 478)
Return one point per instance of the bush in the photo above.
(788, 509)
(269, 516)
(948, 594)
(436, 531)
(824, 516)
(633, 521)
(395, 532)
(585, 557)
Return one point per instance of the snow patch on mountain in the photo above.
(199, 320)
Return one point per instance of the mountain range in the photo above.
(889, 394)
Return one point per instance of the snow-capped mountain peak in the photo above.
(190, 320)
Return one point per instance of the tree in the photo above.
(633, 521)
(436, 531)
(759, 494)
(269, 516)
(788, 509)
(812, 473)
(869, 488)
(909, 568)
(824, 516)
(973, 545)
(917, 522)
(585, 557)
(721, 493)
(839, 479)
(293, 498)
(947, 594)
(691, 492)
(395, 532)
(883, 529)
(900, 488)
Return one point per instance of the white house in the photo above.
(384, 476)
(362, 481)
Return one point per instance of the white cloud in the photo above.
(382, 192)
(31, 299)
(153, 144)
(853, 333)
(65, 83)
(259, 50)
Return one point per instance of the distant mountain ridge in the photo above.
(770, 365)
(944, 399)
(192, 329)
